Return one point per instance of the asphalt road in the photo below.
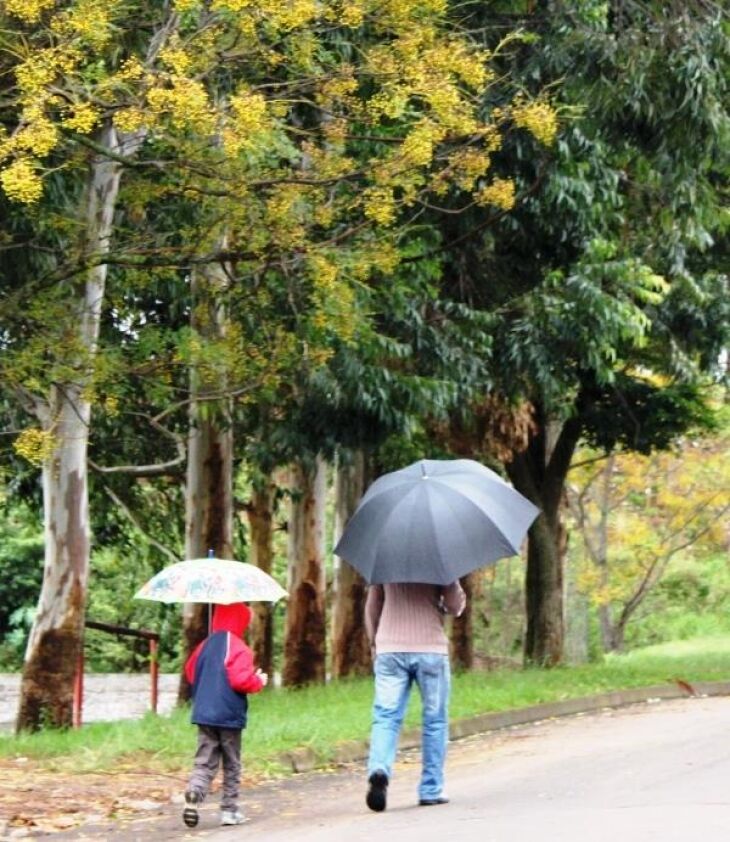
(648, 772)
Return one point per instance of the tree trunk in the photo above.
(56, 638)
(462, 628)
(540, 473)
(304, 641)
(209, 482)
(261, 523)
(350, 648)
(544, 636)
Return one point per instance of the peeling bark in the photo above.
(350, 648)
(56, 637)
(304, 641)
(261, 522)
(209, 482)
(462, 628)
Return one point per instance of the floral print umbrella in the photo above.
(212, 580)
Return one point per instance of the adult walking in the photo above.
(405, 625)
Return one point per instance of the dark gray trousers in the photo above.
(215, 744)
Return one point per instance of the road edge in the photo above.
(307, 759)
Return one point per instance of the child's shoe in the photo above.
(230, 817)
(190, 813)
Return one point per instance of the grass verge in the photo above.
(322, 717)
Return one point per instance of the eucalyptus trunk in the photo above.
(540, 474)
(209, 481)
(260, 512)
(56, 637)
(462, 628)
(305, 634)
(350, 648)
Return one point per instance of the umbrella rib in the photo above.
(393, 512)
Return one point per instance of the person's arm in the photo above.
(373, 609)
(242, 676)
(453, 599)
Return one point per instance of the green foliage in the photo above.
(21, 570)
(691, 601)
(639, 415)
(117, 572)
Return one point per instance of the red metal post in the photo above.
(154, 673)
(78, 702)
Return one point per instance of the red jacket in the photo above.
(221, 670)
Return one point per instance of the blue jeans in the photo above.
(395, 673)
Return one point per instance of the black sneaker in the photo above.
(377, 791)
(190, 813)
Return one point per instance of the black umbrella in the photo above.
(433, 522)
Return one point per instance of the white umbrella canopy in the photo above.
(212, 580)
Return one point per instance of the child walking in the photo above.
(221, 672)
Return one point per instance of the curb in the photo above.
(307, 759)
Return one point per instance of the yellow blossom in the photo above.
(338, 89)
(83, 119)
(21, 182)
(28, 10)
(249, 110)
(176, 59)
(379, 205)
(131, 70)
(35, 445)
(336, 131)
(186, 104)
(386, 258)
(500, 193)
(225, 5)
(390, 102)
(323, 271)
(89, 20)
(418, 146)
(352, 14)
(289, 14)
(539, 118)
(468, 165)
(130, 119)
(39, 135)
(249, 121)
(35, 73)
(324, 215)
(110, 405)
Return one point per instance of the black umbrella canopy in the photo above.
(433, 522)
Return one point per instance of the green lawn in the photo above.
(321, 717)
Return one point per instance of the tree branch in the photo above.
(136, 524)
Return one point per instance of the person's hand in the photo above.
(263, 676)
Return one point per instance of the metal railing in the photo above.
(151, 637)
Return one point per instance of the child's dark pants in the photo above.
(215, 744)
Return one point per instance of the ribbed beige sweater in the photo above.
(408, 617)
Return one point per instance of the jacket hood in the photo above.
(232, 618)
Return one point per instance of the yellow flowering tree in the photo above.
(285, 143)
(635, 514)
